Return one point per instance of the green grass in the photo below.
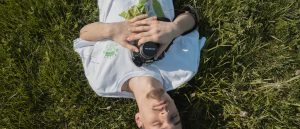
(247, 78)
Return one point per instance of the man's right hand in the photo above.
(120, 32)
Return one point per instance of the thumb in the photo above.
(130, 46)
(160, 51)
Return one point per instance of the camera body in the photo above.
(146, 54)
(148, 50)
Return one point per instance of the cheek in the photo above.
(149, 118)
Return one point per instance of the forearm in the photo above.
(96, 31)
(183, 23)
(117, 31)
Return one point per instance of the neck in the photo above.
(141, 87)
(140, 91)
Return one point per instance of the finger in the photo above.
(144, 40)
(146, 21)
(153, 18)
(130, 37)
(161, 49)
(130, 46)
(137, 18)
(139, 36)
(139, 29)
(149, 36)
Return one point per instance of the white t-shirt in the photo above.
(107, 65)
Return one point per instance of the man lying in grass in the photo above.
(106, 51)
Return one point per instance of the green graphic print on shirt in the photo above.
(140, 9)
(110, 51)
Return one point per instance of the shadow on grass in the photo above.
(196, 113)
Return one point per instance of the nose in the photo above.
(164, 111)
(164, 118)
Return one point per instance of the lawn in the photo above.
(249, 75)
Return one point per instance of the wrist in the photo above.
(110, 30)
(176, 29)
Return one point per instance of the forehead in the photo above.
(167, 123)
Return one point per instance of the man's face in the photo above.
(158, 112)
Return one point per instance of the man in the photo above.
(156, 109)
(111, 72)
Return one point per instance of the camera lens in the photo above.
(149, 50)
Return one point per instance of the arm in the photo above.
(98, 31)
(91, 31)
(184, 22)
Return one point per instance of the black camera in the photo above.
(147, 51)
(146, 54)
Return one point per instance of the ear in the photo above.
(138, 120)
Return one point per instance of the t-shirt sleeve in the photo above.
(84, 49)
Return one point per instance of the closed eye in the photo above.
(173, 117)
